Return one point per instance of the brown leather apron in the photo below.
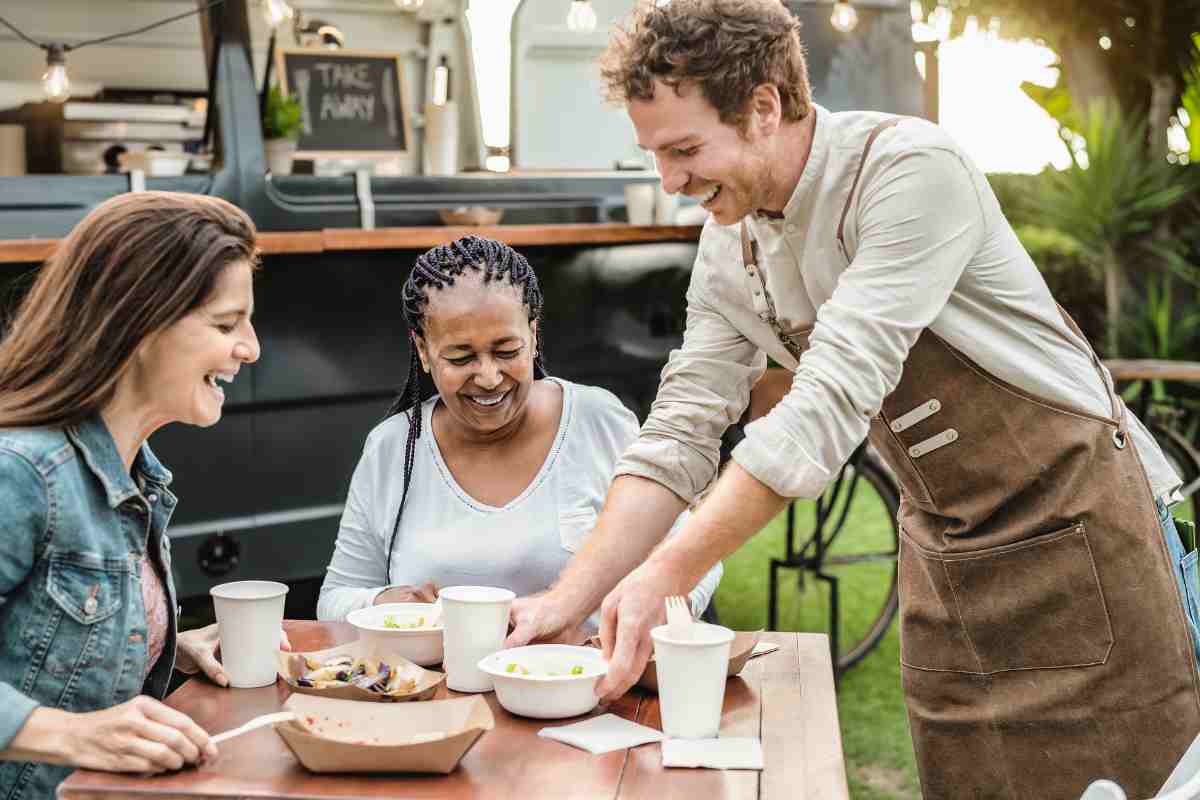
(1043, 640)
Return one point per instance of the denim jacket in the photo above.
(75, 526)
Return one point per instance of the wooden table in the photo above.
(786, 698)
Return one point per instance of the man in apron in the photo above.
(1044, 634)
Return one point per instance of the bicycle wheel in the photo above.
(1186, 462)
(858, 547)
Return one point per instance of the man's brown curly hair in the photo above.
(726, 47)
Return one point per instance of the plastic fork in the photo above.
(679, 618)
(255, 724)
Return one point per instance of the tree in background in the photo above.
(1115, 205)
(1152, 51)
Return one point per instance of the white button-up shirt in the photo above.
(929, 248)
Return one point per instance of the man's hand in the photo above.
(425, 593)
(626, 617)
(539, 618)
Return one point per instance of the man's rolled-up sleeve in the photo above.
(920, 220)
(704, 389)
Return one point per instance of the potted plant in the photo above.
(281, 129)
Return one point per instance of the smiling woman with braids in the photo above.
(497, 477)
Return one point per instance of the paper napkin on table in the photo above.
(603, 733)
(762, 648)
(724, 753)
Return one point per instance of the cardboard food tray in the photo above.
(739, 653)
(344, 736)
(291, 666)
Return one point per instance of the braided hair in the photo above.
(437, 269)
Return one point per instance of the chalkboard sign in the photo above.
(352, 102)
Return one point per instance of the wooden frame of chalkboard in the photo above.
(355, 105)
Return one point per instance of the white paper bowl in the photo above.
(545, 696)
(419, 645)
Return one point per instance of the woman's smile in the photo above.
(212, 378)
(489, 401)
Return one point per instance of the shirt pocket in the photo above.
(574, 526)
(87, 587)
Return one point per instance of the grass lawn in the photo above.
(875, 736)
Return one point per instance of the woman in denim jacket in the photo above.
(134, 322)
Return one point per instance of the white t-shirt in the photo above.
(448, 537)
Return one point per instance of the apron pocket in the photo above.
(1036, 604)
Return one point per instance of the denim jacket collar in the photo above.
(99, 451)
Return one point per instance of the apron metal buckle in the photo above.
(1118, 438)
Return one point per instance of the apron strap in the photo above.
(878, 129)
(1118, 408)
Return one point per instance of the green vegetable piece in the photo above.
(576, 670)
(511, 668)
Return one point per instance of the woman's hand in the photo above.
(425, 593)
(198, 653)
(139, 735)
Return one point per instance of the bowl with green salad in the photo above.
(411, 630)
(546, 681)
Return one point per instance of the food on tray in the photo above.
(344, 670)
(389, 621)
(521, 669)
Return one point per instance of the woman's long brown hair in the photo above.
(133, 266)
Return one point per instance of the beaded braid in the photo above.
(436, 269)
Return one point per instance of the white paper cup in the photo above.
(474, 623)
(691, 679)
(249, 619)
(665, 205)
(639, 203)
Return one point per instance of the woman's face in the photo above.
(179, 372)
(479, 347)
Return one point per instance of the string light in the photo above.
(940, 19)
(276, 12)
(55, 81)
(582, 17)
(844, 18)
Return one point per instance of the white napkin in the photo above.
(603, 733)
(726, 753)
(762, 648)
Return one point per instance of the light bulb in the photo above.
(55, 82)
(409, 5)
(581, 17)
(844, 18)
(275, 12)
(940, 19)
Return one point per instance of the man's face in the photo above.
(700, 156)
